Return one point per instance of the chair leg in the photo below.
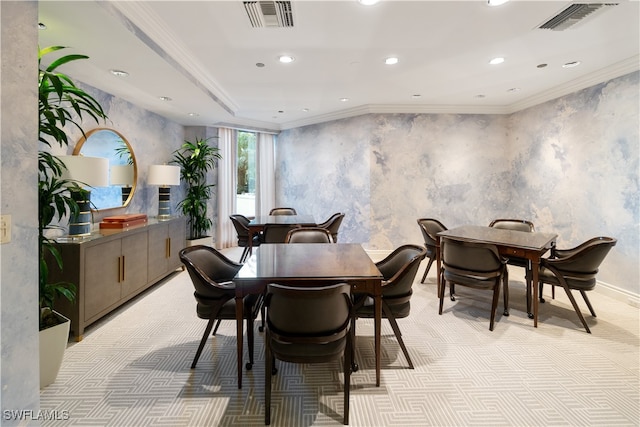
(245, 254)
(584, 295)
(354, 365)
(268, 365)
(216, 328)
(452, 291)
(424, 276)
(575, 307)
(494, 305)
(505, 285)
(249, 365)
(396, 331)
(441, 289)
(203, 341)
(347, 376)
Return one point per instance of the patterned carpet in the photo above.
(132, 368)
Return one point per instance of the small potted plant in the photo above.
(61, 103)
(195, 160)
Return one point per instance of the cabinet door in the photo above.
(177, 242)
(158, 250)
(102, 277)
(134, 263)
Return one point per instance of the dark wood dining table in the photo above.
(257, 224)
(521, 244)
(309, 265)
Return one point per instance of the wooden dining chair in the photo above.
(309, 235)
(430, 228)
(283, 211)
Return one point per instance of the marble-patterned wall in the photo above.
(19, 198)
(569, 165)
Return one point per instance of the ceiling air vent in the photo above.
(573, 14)
(269, 13)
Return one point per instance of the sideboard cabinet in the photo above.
(111, 267)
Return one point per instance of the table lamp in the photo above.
(88, 172)
(164, 176)
(122, 175)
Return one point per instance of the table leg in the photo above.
(377, 332)
(535, 268)
(438, 264)
(239, 335)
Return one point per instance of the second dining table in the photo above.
(521, 244)
(309, 265)
(257, 224)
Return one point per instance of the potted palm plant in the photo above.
(61, 103)
(195, 160)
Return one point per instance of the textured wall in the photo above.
(569, 165)
(19, 198)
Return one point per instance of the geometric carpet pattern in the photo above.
(133, 368)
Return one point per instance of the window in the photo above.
(246, 173)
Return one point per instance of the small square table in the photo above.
(310, 264)
(521, 244)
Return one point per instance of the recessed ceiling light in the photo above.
(496, 61)
(416, 96)
(541, 65)
(165, 98)
(480, 96)
(286, 59)
(41, 26)
(513, 89)
(119, 73)
(259, 64)
(496, 2)
(306, 110)
(368, 2)
(392, 60)
(571, 64)
(193, 114)
(344, 99)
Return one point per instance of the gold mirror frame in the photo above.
(109, 143)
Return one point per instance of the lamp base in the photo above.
(164, 203)
(80, 224)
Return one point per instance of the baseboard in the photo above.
(617, 293)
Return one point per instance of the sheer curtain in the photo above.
(265, 174)
(226, 188)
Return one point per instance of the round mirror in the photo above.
(123, 169)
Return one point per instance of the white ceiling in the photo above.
(203, 55)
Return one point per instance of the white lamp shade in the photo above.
(163, 175)
(121, 175)
(91, 171)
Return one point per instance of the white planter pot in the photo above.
(207, 241)
(53, 343)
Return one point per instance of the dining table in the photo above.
(309, 265)
(256, 225)
(522, 244)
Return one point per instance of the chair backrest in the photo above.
(283, 211)
(470, 256)
(309, 235)
(399, 269)
(586, 258)
(277, 233)
(513, 224)
(241, 222)
(320, 312)
(333, 225)
(430, 228)
(210, 272)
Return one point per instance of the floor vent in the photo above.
(574, 14)
(265, 14)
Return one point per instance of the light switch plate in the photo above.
(5, 228)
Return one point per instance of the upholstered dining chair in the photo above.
(241, 222)
(211, 273)
(309, 235)
(283, 211)
(430, 228)
(277, 233)
(528, 227)
(399, 270)
(333, 225)
(475, 265)
(308, 325)
(576, 268)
